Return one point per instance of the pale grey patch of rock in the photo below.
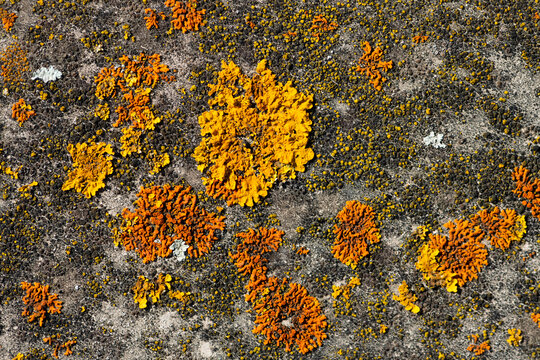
(47, 74)
(434, 140)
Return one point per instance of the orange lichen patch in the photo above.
(478, 349)
(21, 111)
(164, 214)
(8, 19)
(321, 25)
(527, 188)
(302, 250)
(92, 162)
(185, 15)
(406, 298)
(137, 110)
(39, 302)
(501, 226)
(461, 253)
(151, 18)
(345, 290)
(515, 337)
(289, 35)
(536, 318)
(355, 230)
(256, 135)
(157, 161)
(287, 315)
(14, 64)
(130, 141)
(249, 255)
(419, 39)
(53, 341)
(371, 63)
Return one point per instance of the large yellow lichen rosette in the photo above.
(255, 133)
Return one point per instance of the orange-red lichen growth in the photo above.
(287, 316)
(249, 254)
(528, 189)
(164, 214)
(58, 345)
(461, 254)
(321, 25)
(255, 134)
(419, 39)
(39, 302)
(536, 318)
(371, 64)
(8, 19)
(355, 230)
(478, 349)
(92, 162)
(151, 18)
(501, 226)
(21, 111)
(185, 15)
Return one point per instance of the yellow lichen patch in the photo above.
(21, 111)
(287, 315)
(130, 141)
(345, 290)
(371, 64)
(185, 15)
(102, 111)
(164, 214)
(355, 230)
(406, 298)
(427, 263)
(14, 64)
(92, 162)
(515, 337)
(501, 226)
(255, 134)
(39, 302)
(157, 161)
(144, 289)
(527, 188)
(249, 254)
(461, 255)
(8, 19)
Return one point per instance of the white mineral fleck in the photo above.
(47, 74)
(179, 248)
(434, 140)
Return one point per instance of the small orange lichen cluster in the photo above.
(320, 25)
(285, 313)
(371, 63)
(39, 302)
(14, 64)
(92, 162)
(536, 318)
(21, 111)
(458, 257)
(164, 214)
(478, 349)
(53, 341)
(501, 226)
(419, 39)
(8, 19)
(152, 19)
(185, 15)
(515, 337)
(249, 253)
(257, 136)
(406, 298)
(355, 230)
(527, 188)
(345, 290)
